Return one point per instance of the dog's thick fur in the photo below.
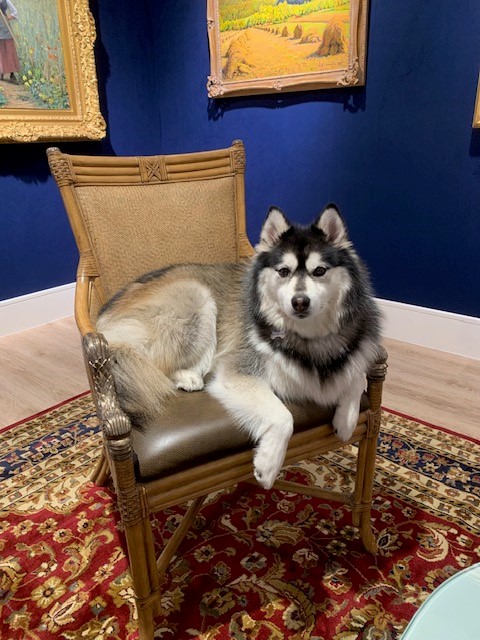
(298, 322)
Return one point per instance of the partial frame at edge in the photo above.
(83, 120)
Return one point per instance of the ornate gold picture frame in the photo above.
(52, 91)
(285, 46)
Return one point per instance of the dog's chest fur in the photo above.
(297, 368)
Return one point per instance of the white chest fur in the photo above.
(292, 381)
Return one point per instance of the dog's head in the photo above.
(303, 271)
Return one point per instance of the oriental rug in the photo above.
(256, 564)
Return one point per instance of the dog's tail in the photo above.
(142, 388)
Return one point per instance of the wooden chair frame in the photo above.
(138, 500)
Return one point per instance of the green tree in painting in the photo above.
(243, 14)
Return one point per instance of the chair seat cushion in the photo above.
(195, 428)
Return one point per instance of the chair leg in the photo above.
(146, 570)
(172, 545)
(146, 628)
(366, 533)
(101, 474)
(359, 480)
(144, 575)
(362, 496)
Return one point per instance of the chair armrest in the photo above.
(379, 363)
(375, 377)
(115, 423)
(116, 428)
(82, 295)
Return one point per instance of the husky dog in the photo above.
(298, 322)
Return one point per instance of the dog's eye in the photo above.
(319, 271)
(284, 272)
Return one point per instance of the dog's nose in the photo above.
(300, 303)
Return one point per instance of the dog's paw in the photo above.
(188, 380)
(265, 471)
(344, 427)
(270, 454)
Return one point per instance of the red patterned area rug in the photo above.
(256, 564)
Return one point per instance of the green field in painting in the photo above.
(243, 14)
(39, 49)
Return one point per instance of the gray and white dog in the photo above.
(298, 322)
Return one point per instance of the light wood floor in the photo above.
(42, 367)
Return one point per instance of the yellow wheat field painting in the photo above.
(283, 38)
(257, 41)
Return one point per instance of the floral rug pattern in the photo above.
(255, 565)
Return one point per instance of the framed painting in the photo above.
(476, 112)
(48, 83)
(276, 46)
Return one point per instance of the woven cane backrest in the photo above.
(131, 215)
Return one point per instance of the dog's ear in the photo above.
(273, 228)
(331, 223)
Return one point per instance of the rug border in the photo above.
(430, 424)
(44, 411)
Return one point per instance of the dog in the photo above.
(297, 322)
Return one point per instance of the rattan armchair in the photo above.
(129, 216)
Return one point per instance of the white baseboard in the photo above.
(35, 309)
(431, 328)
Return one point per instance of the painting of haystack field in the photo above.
(274, 38)
(41, 80)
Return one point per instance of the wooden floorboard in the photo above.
(39, 368)
(42, 367)
(437, 387)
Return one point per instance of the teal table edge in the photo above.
(451, 611)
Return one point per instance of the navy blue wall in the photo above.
(399, 156)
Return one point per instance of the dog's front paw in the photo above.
(344, 426)
(188, 380)
(265, 471)
(270, 454)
